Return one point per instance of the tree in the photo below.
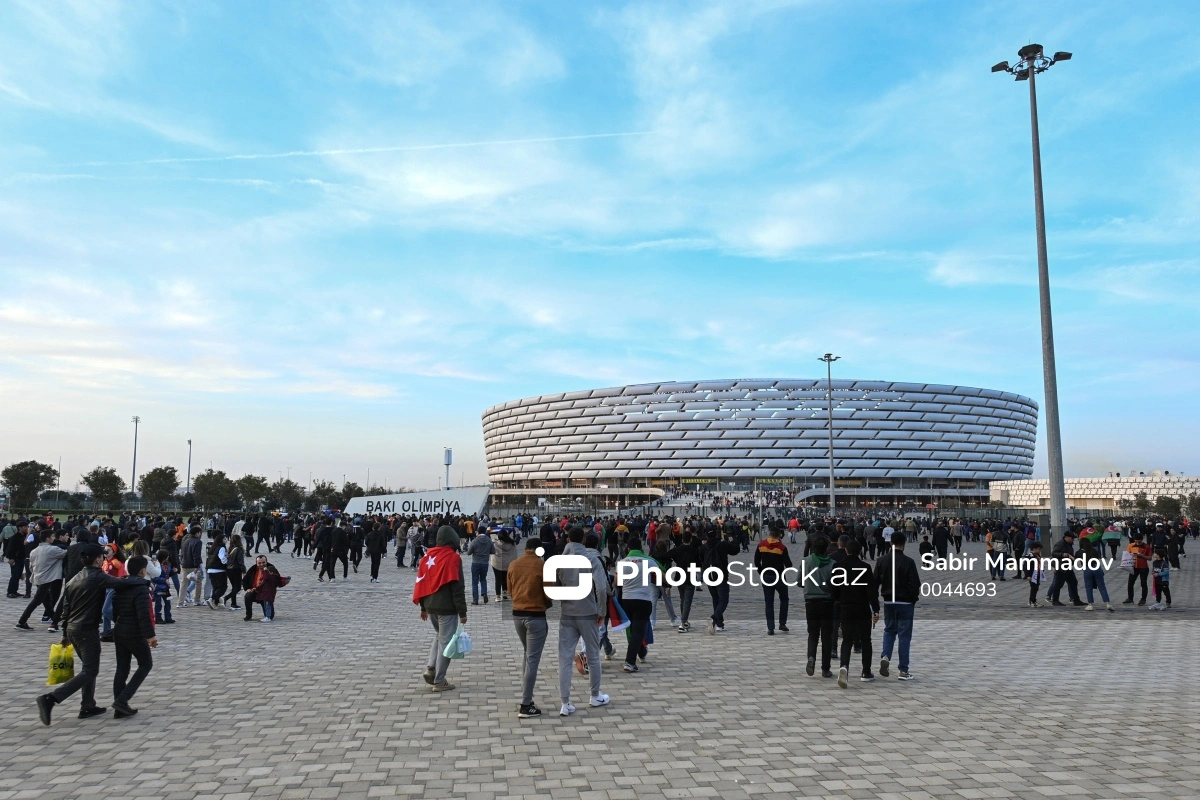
(351, 490)
(1125, 504)
(106, 487)
(1141, 503)
(158, 485)
(214, 490)
(1167, 506)
(25, 479)
(286, 494)
(324, 493)
(1193, 505)
(252, 489)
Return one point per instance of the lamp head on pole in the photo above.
(1033, 61)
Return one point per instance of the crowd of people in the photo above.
(100, 579)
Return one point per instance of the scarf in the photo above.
(439, 566)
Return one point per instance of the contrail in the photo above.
(363, 150)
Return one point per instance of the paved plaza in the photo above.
(328, 702)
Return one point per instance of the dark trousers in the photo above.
(822, 626)
(376, 559)
(639, 617)
(769, 593)
(218, 581)
(234, 576)
(501, 580)
(1064, 577)
(87, 648)
(1138, 572)
(720, 601)
(128, 648)
(46, 595)
(14, 579)
(856, 629)
(331, 562)
(687, 592)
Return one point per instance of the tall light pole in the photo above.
(1033, 61)
(829, 358)
(133, 480)
(189, 472)
(448, 459)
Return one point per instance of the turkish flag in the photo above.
(439, 566)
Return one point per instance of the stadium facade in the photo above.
(895, 444)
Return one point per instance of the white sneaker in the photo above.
(566, 710)
(1088, 607)
(599, 700)
(266, 619)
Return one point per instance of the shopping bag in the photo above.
(465, 646)
(1127, 561)
(455, 645)
(62, 664)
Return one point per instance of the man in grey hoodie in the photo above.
(480, 550)
(581, 619)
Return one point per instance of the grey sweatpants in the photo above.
(532, 633)
(444, 626)
(570, 631)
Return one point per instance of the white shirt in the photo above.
(887, 534)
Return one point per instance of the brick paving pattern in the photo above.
(328, 702)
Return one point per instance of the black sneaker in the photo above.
(123, 710)
(883, 667)
(905, 676)
(529, 711)
(810, 667)
(1078, 603)
(867, 678)
(1057, 603)
(45, 703)
(826, 673)
(23, 626)
(94, 711)
(1141, 602)
(783, 628)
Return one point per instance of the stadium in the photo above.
(894, 444)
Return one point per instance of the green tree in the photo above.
(25, 479)
(286, 494)
(252, 489)
(351, 490)
(1141, 502)
(1125, 504)
(1167, 506)
(1193, 505)
(214, 490)
(323, 493)
(158, 485)
(106, 487)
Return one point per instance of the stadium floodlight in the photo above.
(1033, 62)
(1001, 67)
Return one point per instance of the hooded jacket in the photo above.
(451, 598)
(481, 548)
(595, 603)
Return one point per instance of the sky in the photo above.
(320, 239)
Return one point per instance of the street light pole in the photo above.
(829, 358)
(1034, 61)
(133, 480)
(189, 472)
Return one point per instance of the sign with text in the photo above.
(456, 502)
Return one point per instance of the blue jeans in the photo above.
(162, 607)
(720, 601)
(478, 579)
(268, 608)
(897, 623)
(106, 625)
(1094, 579)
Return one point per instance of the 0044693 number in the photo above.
(958, 589)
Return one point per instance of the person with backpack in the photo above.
(819, 610)
(896, 570)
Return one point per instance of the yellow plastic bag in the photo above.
(62, 664)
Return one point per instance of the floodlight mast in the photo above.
(1033, 60)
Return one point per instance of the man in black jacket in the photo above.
(133, 636)
(896, 571)
(321, 540)
(83, 600)
(339, 547)
(1064, 551)
(683, 556)
(376, 542)
(716, 555)
(854, 588)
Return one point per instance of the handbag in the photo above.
(62, 664)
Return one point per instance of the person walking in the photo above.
(480, 550)
(234, 571)
(217, 564)
(83, 599)
(1141, 552)
(581, 619)
(502, 558)
(441, 594)
(529, 604)
(855, 590)
(46, 564)
(1091, 548)
(716, 556)
(133, 635)
(637, 598)
(684, 555)
(900, 586)
(771, 558)
(819, 610)
(191, 562)
(339, 550)
(376, 544)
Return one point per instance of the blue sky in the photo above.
(327, 236)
